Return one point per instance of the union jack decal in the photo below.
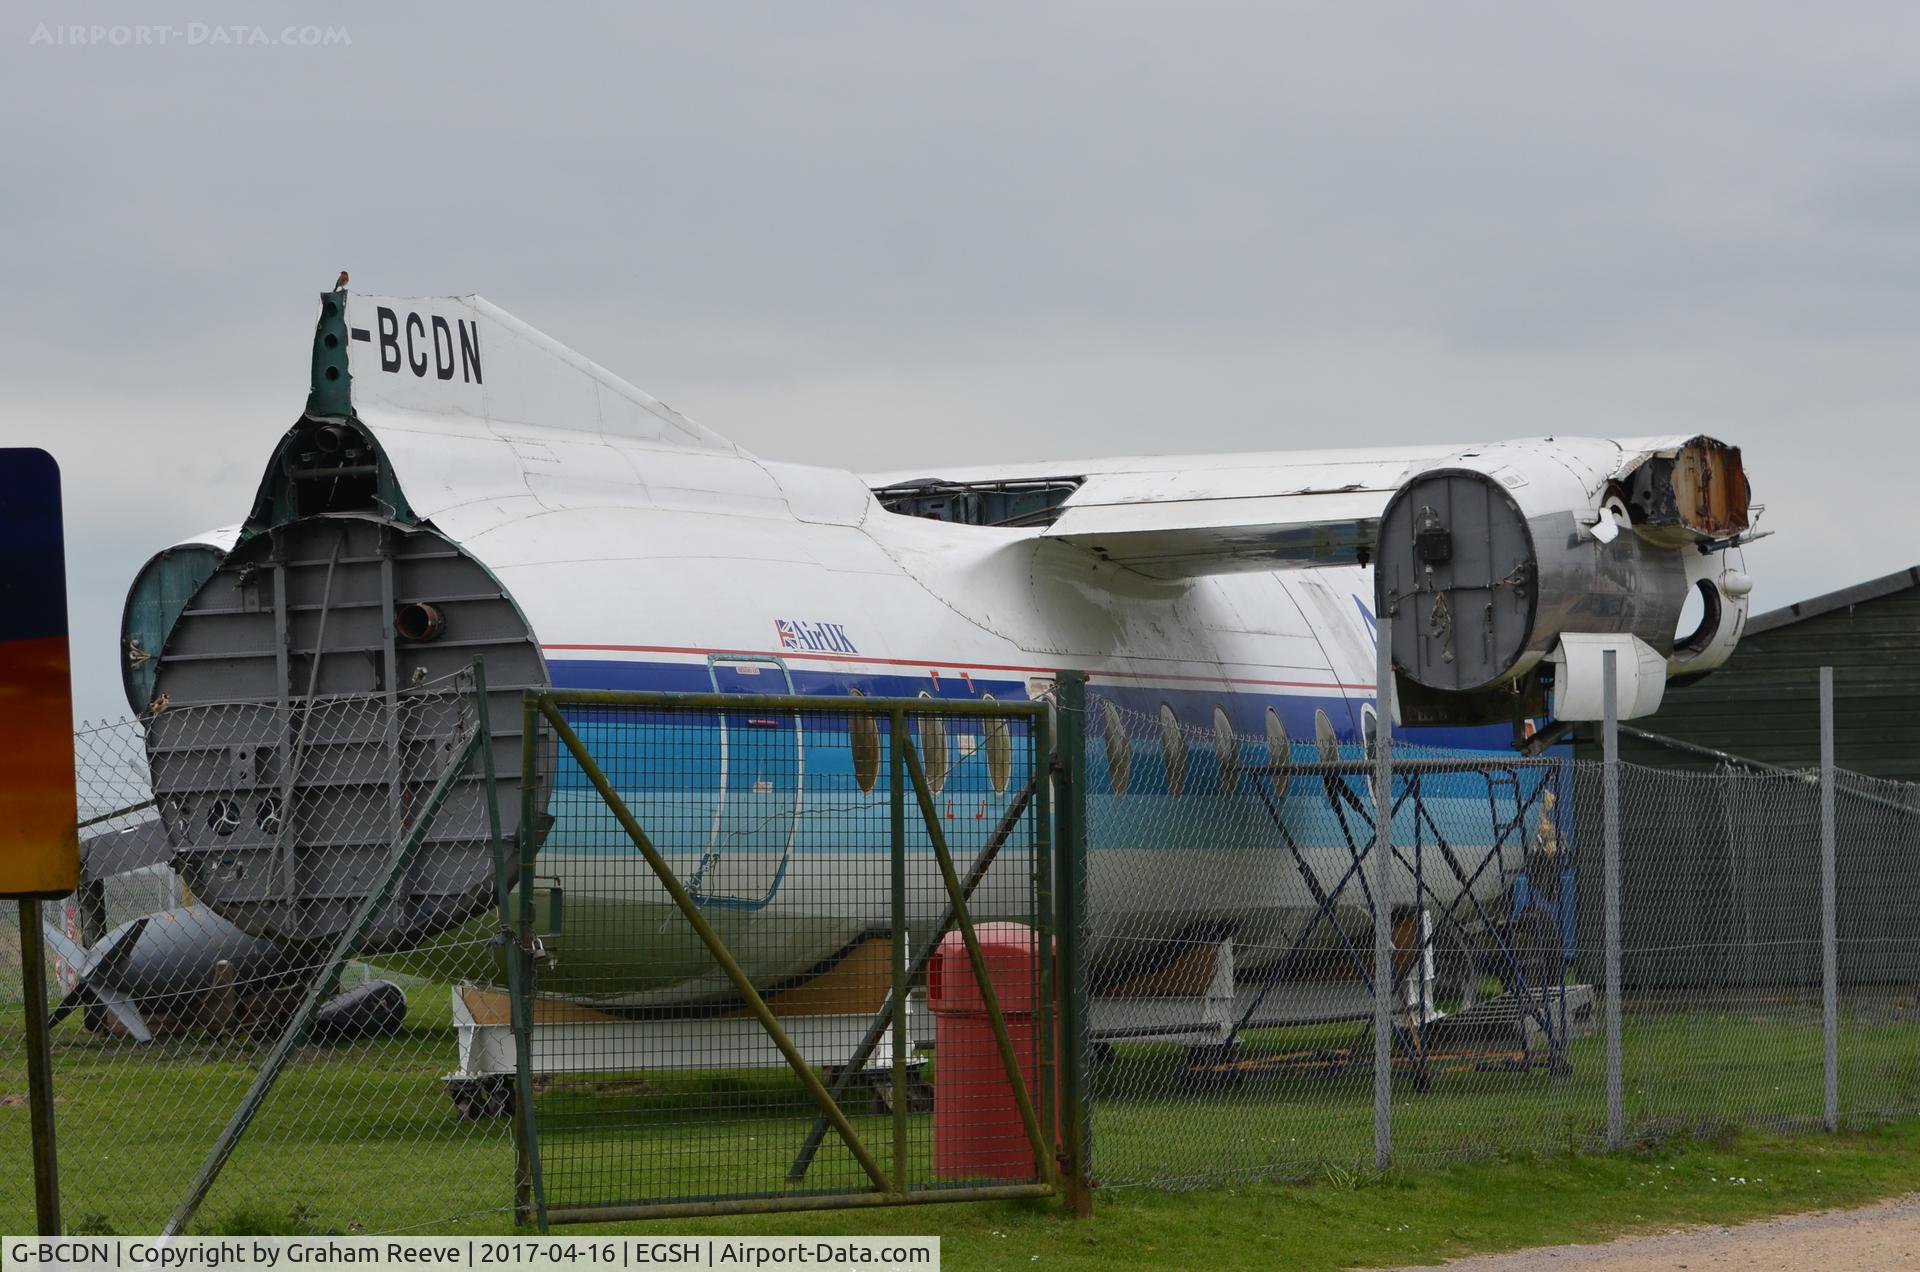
(818, 638)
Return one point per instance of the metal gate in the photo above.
(700, 1022)
(761, 788)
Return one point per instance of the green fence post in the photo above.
(989, 998)
(529, 1185)
(897, 850)
(1040, 753)
(1070, 864)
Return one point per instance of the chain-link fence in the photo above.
(169, 1012)
(1230, 949)
(1226, 955)
(729, 900)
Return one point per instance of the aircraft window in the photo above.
(1279, 750)
(1173, 746)
(932, 731)
(1119, 749)
(1323, 734)
(1369, 722)
(999, 751)
(1034, 502)
(863, 736)
(1228, 748)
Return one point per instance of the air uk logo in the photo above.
(816, 638)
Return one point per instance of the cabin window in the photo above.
(999, 744)
(1369, 722)
(1119, 749)
(1323, 734)
(1173, 748)
(863, 736)
(932, 738)
(1227, 747)
(1279, 750)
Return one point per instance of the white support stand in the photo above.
(1210, 1018)
(1202, 1019)
(569, 1039)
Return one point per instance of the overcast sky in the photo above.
(898, 234)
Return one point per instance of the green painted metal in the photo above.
(905, 770)
(276, 502)
(530, 1194)
(901, 1042)
(711, 939)
(46, 1157)
(329, 402)
(1041, 742)
(527, 1193)
(1043, 1153)
(917, 970)
(1070, 907)
(786, 1205)
(296, 1031)
(160, 592)
(330, 396)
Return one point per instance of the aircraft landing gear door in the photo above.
(762, 784)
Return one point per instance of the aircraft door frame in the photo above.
(700, 886)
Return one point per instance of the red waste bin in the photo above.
(977, 1129)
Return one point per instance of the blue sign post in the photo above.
(39, 835)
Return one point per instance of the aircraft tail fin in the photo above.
(463, 356)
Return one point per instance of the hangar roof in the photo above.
(1871, 590)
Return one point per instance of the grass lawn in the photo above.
(363, 1137)
(1352, 1219)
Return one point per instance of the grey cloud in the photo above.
(868, 234)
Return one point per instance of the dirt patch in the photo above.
(1886, 1235)
(12, 1100)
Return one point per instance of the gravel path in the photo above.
(1886, 1235)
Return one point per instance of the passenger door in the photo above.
(762, 785)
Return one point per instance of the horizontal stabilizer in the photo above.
(1173, 516)
(1179, 538)
(1180, 516)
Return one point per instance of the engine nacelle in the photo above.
(1490, 561)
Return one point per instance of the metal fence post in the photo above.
(897, 853)
(33, 975)
(1070, 865)
(1382, 910)
(516, 930)
(1829, 917)
(1610, 819)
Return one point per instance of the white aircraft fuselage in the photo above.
(466, 486)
